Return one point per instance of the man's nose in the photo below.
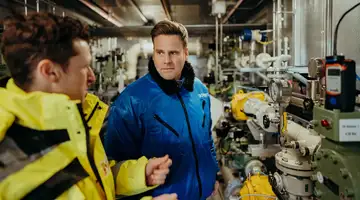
(91, 77)
(167, 59)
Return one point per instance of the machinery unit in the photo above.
(340, 84)
(336, 163)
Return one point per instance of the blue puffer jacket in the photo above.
(154, 117)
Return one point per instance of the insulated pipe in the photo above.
(263, 76)
(303, 138)
(37, 6)
(286, 48)
(248, 69)
(221, 39)
(300, 78)
(216, 50)
(279, 27)
(133, 4)
(102, 13)
(280, 59)
(26, 10)
(274, 28)
(166, 8)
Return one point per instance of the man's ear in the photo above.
(186, 50)
(49, 70)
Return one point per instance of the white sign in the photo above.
(349, 130)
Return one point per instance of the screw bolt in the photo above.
(349, 192)
(344, 173)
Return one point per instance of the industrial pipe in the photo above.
(274, 28)
(166, 8)
(248, 69)
(280, 59)
(102, 13)
(216, 49)
(263, 76)
(133, 4)
(299, 102)
(232, 11)
(304, 139)
(300, 78)
(221, 39)
(26, 10)
(278, 27)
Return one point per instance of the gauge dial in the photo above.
(274, 91)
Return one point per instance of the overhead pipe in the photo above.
(221, 39)
(274, 28)
(37, 6)
(102, 13)
(166, 8)
(133, 4)
(142, 16)
(279, 19)
(216, 49)
(252, 8)
(231, 11)
(26, 10)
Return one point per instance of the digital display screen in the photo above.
(334, 72)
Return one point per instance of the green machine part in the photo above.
(337, 163)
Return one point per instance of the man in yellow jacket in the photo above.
(49, 126)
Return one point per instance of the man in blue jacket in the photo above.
(167, 111)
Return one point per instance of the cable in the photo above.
(337, 27)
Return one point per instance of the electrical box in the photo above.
(218, 7)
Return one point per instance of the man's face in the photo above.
(169, 56)
(78, 76)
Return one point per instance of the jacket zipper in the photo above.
(203, 123)
(92, 112)
(193, 144)
(166, 125)
(90, 157)
(203, 107)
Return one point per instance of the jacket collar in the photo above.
(172, 86)
(12, 87)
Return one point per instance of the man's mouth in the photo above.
(167, 69)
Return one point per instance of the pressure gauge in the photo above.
(280, 90)
(274, 91)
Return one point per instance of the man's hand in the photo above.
(216, 188)
(156, 170)
(166, 197)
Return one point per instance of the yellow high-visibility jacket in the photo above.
(50, 149)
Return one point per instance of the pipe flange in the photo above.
(262, 60)
(290, 161)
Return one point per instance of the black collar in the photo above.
(171, 86)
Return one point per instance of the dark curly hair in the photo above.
(29, 39)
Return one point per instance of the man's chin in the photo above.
(167, 76)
